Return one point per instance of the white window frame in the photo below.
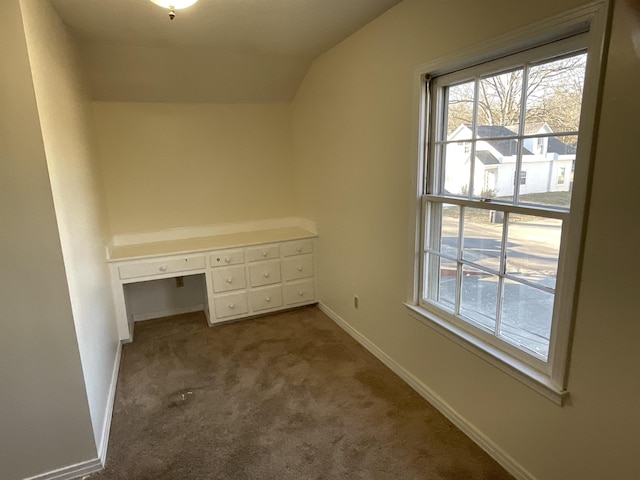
(550, 378)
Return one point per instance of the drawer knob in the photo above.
(266, 274)
(227, 260)
(299, 269)
(163, 268)
(229, 280)
(301, 293)
(298, 249)
(267, 299)
(231, 306)
(264, 254)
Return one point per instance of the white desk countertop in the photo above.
(203, 244)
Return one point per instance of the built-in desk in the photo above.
(246, 273)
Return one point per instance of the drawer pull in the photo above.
(163, 268)
(299, 269)
(231, 306)
(298, 249)
(266, 274)
(267, 299)
(229, 280)
(300, 293)
(264, 254)
(227, 260)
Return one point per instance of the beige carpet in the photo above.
(286, 396)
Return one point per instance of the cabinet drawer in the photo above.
(299, 247)
(229, 278)
(265, 273)
(265, 252)
(270, 297)
(159, 267)
(299, 292)
(226, 257)
(298, 267)
(231, 305)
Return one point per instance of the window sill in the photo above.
(511, 366)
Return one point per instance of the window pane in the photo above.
(499, 101)
(457, 170)
(549, 166)
(526, 316)
(479, 297)
(450, 230)
(554, 95)
(482, 237)
(459, 114)
(447, 283)
(533, 248)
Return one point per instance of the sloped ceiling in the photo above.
(221, 51)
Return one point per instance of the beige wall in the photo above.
(67, 129)
(44, 414)
(353, 147)
(176, 165)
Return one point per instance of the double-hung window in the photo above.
(500, 228)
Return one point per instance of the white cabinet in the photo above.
(227, 279)
(265, 273)
(226, 257)
(241, 281)
(299, 292)
(298, 247)
(266, 298)
(160, 267)
(263, 252)
(297, 267)
(231, 305)
(266, 278)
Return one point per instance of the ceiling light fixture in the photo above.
(174, 5)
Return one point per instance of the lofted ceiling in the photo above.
(221, 51)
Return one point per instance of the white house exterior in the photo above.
(547, 163)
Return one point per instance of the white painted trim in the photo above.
(83, 469)
(497, 357)
(71, 472)
(200, 231)
(106, 427)
(484, 442)
(169, 312)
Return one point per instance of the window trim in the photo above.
(594, 20)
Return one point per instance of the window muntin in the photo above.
(492, 249)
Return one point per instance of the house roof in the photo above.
(556, 146)
(504, 147)
(531, 128)
(486, 157)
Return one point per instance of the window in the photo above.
(491, 257)
(523, 178)
(561, 175)
(499, 239)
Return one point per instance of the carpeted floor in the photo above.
(286, 396)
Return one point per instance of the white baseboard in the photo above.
(71, 472)
(210, 230)
(484, 442)
(83, 469)
(140, 317)
(106, 426)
